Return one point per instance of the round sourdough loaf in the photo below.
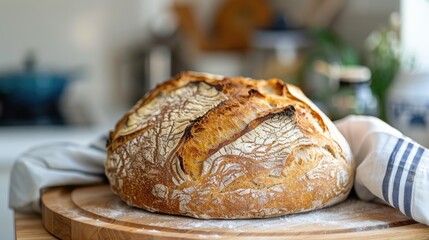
(209, 146)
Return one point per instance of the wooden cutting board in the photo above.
(93, 212)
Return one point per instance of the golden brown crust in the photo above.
(207, 146)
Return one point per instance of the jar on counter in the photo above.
(354, 95)
(408, 105)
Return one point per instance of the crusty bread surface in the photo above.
(209, 146)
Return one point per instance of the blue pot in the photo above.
(31, 96)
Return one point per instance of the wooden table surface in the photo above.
(29, 226)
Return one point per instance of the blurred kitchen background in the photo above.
(70, 69)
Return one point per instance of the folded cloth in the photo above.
(57, 164)
(389, 167)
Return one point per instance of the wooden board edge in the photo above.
(83, 227)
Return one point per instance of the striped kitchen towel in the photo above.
(389, 167)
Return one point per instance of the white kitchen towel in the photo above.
(56, 164)
(389, 167)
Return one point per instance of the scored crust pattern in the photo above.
(212, 147)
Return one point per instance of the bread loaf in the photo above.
(208, 146)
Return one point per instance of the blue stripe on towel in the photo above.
(398, 175)
(386, 179)
(410, 182)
